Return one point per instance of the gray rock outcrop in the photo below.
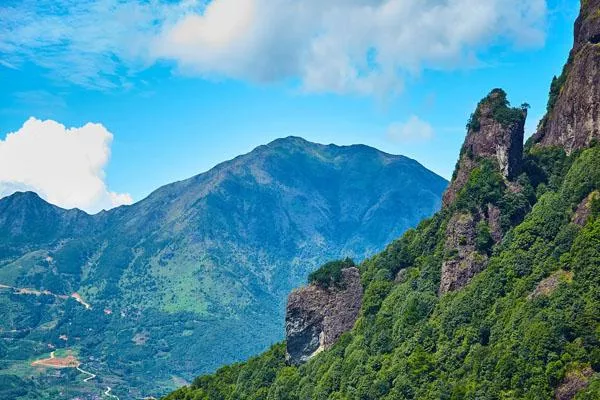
(573, 383)
(462, 259)
(316, 317)
(584, 209)
(495, 132)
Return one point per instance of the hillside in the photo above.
(495, 297)
(195, 275)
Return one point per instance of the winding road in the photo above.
(90, 375)
(23, 291)
(107, 393)
(77, 298)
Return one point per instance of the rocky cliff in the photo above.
(495, 136)
(573, 119)
(317, 316)
(495, 131)
(463, 260)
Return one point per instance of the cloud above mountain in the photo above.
(340, 46)
(65, 166)
(412, 130)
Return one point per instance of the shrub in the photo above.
(330, 274)
(500, 108)
(483, 240)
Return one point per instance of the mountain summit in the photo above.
(195, 275)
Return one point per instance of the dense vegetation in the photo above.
(330, 274)
(501, 110)
(555, 88)
(494, 339)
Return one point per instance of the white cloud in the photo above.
(341, 46)
(362, 46)
(64, 166)
(413, 130)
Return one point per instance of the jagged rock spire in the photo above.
(573, 119)
(495, 131)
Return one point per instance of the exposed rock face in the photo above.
(495, 131)
(316, 317)
(574, 382)
(547, 286)
(463, 260)
(584, 209)
(401, 276)
(573, 120)
(493, 217)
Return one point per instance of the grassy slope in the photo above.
(487, 341)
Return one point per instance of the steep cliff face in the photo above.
(573, 119)
(463, 260)
(316, 316)
(585, 208)
(495, 131)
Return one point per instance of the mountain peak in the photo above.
(24, 195)
(291, 140)
(495, 131)
(27, 198)
(214, 255)
(26, 216)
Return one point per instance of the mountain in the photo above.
(497, 296)
(150, 295)
(572, 121)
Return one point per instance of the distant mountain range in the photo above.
(195, 275)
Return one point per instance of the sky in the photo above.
(104, 101)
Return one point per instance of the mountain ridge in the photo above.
(280, 142)
(200, 266)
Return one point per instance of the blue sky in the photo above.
(184, 86)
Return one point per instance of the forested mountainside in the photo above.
(195, 276)
(497, 296)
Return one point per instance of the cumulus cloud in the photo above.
(413, 130)
(341, 46)
(64, 166)
(362, 46)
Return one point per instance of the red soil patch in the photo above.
(53, 362)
